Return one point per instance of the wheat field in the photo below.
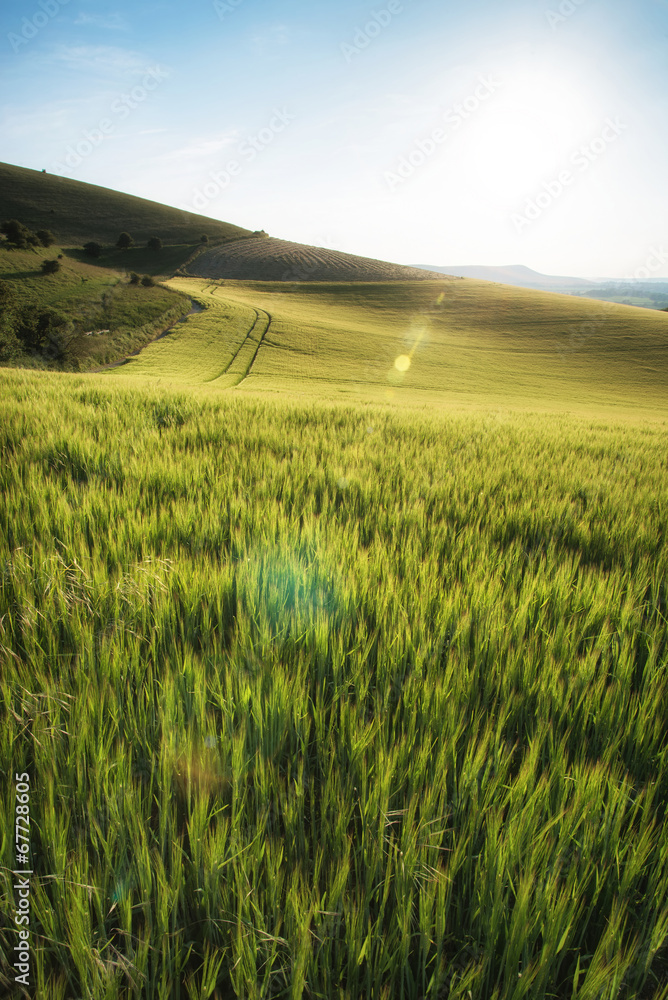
(331, 698)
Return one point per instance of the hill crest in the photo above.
(77, 212)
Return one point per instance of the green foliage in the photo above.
(204, 238)
(155, 243)
(134, 278)
(46, 331)
(17, 234)
(147, 281)
(46, 237)
(331, 700)
(10, 347)
(124, 241)
(7, 297)
(21, 237)
(93, 249)
(120, 318)
(51, 266)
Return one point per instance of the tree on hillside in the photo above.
(204, 238)
(46, 237)
(155, 243)
(92, 248)
(51, 266)
(147, 281)
(134, 278)
(43, 330)
(125, 241)
(17, 234)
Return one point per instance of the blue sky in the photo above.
(418, 131)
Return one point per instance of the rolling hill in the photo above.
(280, 260)
(435, 342)
(285, 317)
(77, 212)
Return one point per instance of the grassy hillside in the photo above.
(77, 212)
(280, 260)
(102, 316)
(332, 701)
(461, 341)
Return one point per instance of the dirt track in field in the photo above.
(240, 366)
(261, 259)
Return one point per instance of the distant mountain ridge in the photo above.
(512, 274)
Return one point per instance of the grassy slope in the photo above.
(94, 299)
(478, 342)
(77, 212)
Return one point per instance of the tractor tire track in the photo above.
(266, 318)
(244, 357)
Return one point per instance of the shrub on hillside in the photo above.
(46, 237)
(124, 241)
(42, 330)
(204, 238)
(134, 278)
(155, 243)
(93, 249)
(51, 266)
(17, 234)
(147, 281)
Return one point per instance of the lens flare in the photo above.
(402, 363)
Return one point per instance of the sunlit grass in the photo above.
(333, 700)
(467, 341)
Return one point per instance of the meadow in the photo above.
(332, 699)
(467, 343)
(333, 632)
